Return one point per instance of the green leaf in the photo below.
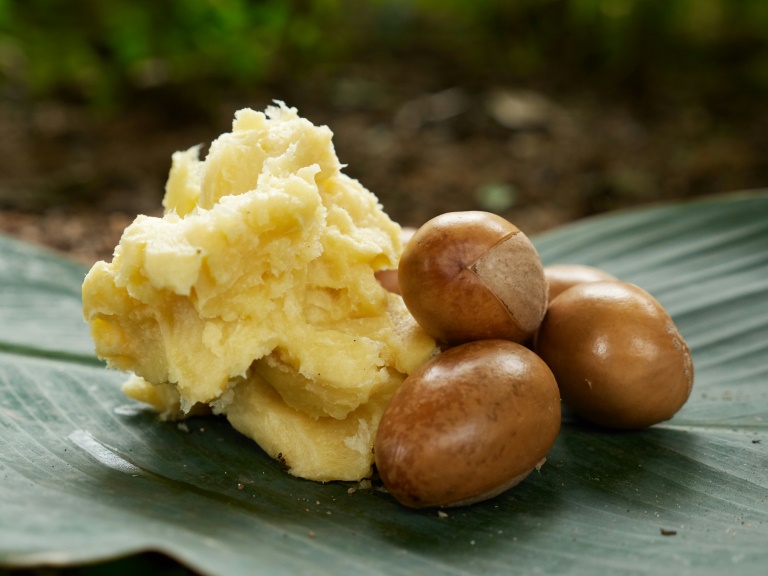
(86, 475)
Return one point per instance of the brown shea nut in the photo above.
(618, 357)
(471, 276)
(560, 277)
(467, 425)
(388, 278)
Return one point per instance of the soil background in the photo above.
(425, 134)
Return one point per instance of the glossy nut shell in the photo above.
(473, 275)
(618, 357)
(560, 277)
(467, 425)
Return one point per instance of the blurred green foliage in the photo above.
(102, 51)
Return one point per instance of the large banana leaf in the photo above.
(86, 476)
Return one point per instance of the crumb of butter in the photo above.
(254, 296)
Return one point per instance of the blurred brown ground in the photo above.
(541, 160)
(424, 137)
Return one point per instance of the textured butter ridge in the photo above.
(261, 267)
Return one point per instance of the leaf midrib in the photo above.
(13, 349)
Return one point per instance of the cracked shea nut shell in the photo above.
(471, 276)
(467, 425)
(618, 357)
(560, 277)
(388, 278)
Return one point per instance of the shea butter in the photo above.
(255, 296)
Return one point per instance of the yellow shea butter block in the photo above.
(255, 296)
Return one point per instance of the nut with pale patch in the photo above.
(467, 425)
(618, 357)
(471, 276)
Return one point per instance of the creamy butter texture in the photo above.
(255, 295)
